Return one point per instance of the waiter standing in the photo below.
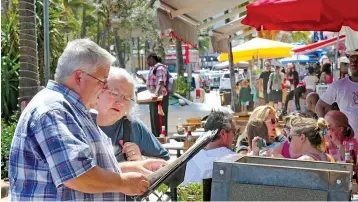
(156, 83)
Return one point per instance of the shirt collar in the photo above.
(69, 94)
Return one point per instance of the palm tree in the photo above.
(28, 73)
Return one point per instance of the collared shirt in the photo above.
(55, 141)
(201, 165)
(156, 77)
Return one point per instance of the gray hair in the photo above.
(116, 74)
(81, 54)
(219, 120)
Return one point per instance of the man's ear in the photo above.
(222, 133)
(78, 77)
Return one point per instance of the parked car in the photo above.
(225, 82)
(214, 79)
(179, 107)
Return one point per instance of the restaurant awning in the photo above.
(183, 18)
(318, 45)
(220, 35)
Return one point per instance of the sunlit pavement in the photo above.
(213, 98)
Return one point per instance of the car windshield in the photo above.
(226, 76)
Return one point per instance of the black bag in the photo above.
(120, 156)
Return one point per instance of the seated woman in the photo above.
(284, 149)
(306, 139)
(257, 130)
(266, 114)
(338, 132)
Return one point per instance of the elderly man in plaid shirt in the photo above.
(58, 153)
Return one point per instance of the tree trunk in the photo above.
(105, 35)
(28, 74)
(234, 98)
(146, 47)
(138, 54)
(132, 67)
(98, 23)
(83, 26)
(98, 29)
(119, 50)
(180, 60)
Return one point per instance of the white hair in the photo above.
(116, 74)
(81, 54)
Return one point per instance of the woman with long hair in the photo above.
(266, 114)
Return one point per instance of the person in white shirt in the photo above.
(201, 165)
(311, 80)
(345, 93)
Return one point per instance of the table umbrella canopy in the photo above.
(297, 58)
(258, 48)
(302, 15)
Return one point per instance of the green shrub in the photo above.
(181, 87)
(190, 192)
(7, 132)
(9, 61)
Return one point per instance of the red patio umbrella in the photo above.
(301, 15)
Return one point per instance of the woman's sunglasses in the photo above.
(273, 121)
(290, 137)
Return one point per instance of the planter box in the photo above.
(238, 178)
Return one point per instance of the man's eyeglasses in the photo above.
(104, 82)
(121, 97)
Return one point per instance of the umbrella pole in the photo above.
(234, 98)
(336, 53)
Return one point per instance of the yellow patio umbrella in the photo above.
(258, 48)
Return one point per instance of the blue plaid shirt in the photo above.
(55, 141)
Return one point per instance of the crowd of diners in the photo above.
(318, 134)
(300, 137)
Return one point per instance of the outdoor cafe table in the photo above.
(174, 145)
(179, 146)
(195, 134)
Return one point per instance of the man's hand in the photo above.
(148, 166)
(134, 184)
(154, 164)
(131, 150)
